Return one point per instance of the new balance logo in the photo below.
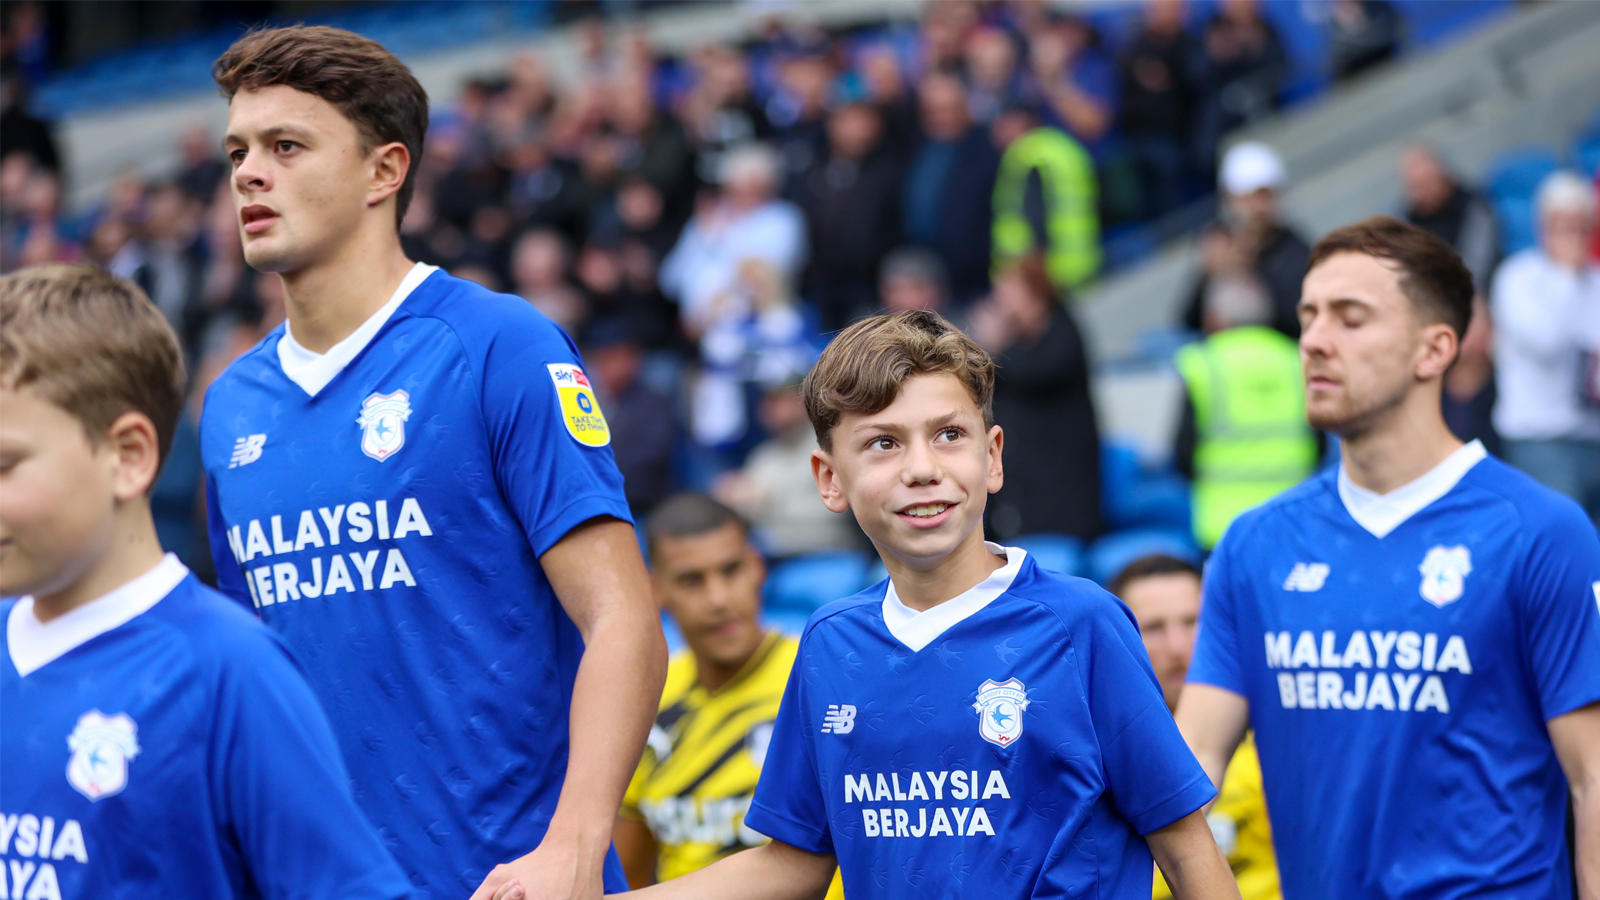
(839, 719)
(247, 450)
(1306, 577)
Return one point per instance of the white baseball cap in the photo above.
(1251, 166)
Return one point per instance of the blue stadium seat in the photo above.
(1135, 497)
(807, 582)
(1056, 552)
(1112, 553)
(1513, 180)
(1120, 472)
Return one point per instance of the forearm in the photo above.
(774, 871)
(1586, 813)
(613, 702)
(1188, 856)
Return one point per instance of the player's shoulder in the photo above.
(853, 611)
(220, 635)
(248, 369)
(1294, 510)
(1077, 603)
(1496, 488)
(480, 317)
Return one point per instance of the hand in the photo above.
(552, 872)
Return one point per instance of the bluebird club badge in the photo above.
(383, 424)
(101, 747)
(1000, 706)
(580, 411)
(1444, 574)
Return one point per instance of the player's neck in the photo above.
(131, 550)
(923, 587)
(715, 676)
(1407, 444)
(327, 301)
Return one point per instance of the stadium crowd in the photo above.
(700, 224)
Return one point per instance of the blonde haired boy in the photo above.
(158, 740)
(975, 726)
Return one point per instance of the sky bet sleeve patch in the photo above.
(579, 408)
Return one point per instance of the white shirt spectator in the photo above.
(706, 260)
(1547, 335)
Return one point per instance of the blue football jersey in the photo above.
(1010, 742)
(386, 515)
(160, 743)
(1399, 685)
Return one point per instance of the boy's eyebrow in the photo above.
(868, 424)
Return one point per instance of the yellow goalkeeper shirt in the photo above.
(1239, 823)
(704, 756)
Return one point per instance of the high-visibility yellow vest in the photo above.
(1250, 414)
(1072, 219)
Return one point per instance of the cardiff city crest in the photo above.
(101, 747)
(383, 424)
(1000, 706)
(1444, 574)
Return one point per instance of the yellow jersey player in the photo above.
(1164, 594)
(685, 807)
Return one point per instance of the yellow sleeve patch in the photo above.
(580, 411)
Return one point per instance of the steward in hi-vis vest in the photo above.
(1252, 440)
(1055, 214)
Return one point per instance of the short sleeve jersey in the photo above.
(1399, 685)
(1010, 742)
(159, 742)
(386, 515)
(704, 755)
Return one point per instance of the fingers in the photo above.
(511, 890)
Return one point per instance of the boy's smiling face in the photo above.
(917, 473)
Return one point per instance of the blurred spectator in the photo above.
(1155, 113)
(202, 167)
(720, 112)
(1163, 593)
(1243, 436)
(745, 222)
(30, 215)
(913, 278)
(653, 147)
(1042, 401)
(799, 117)
(1546, 303)
(1073, 78)
(1455, 215)
(775, 489)
(168, 259)
(949, 187)
(538, 275)
(993, 82)
(884, 86)
(1045, 200)
(1361, 34)
(619, 286)
(851, 203)
(644, 427)
(20, 130)
(1469, 393)
(1241, 69)
(1251, 243)
(758, 338)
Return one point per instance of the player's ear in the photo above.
(134, 452)
(997, 472)
(822, 469)
(1438, 351)
(390, 163)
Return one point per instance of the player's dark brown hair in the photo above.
(372, 88)
(92, 344)
(1432, 274)
(1149, 567)
(862, 370)
(688, 515)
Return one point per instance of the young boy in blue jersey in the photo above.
(159, 741)
(411, 481)
(975, 726)
(1414, 637)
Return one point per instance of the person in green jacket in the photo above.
(1045, 200)
(1244, 435)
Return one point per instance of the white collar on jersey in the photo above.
(1383, 513)
(34, 644)
(918, 629)
(313, 371)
